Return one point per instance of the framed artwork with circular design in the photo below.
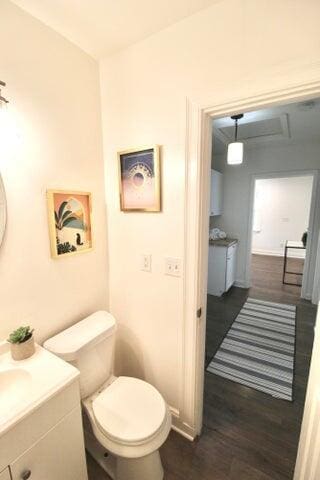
(139, 177)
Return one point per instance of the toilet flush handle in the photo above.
(26, 474)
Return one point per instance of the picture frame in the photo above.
(70, 222)
(139, 179)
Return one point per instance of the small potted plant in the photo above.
(22, 343)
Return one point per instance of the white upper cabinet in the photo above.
(216, 193)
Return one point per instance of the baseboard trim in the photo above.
(277, 253)
(271, 253)
(181, 427)
(241, 284)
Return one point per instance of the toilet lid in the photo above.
(129, 410)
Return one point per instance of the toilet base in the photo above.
(144, 468)
(120, 468)
(106, 460)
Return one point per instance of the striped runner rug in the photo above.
(258, 350)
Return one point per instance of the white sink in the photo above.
(26, 384)
(15, 385)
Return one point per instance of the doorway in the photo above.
(243, 405)
(281, 222)
(288, 85)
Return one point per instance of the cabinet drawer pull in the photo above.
(26, 474)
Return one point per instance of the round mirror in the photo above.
(3, 210)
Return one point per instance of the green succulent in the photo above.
(22, 334)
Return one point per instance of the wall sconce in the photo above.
(3, 100)
(5, 130)
(3, 106)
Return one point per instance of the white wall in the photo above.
(53, 88)
(230, 50)
(281, 212)
(237, 183)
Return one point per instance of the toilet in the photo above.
(129, 418)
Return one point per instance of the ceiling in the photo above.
(102, 27)
(283, 125)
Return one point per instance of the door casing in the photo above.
(197, 190)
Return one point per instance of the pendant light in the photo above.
(235, 149)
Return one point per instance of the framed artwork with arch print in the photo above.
(70, 223)
(139, 179)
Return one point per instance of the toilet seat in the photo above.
(129, 411)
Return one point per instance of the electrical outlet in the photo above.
(146, 263)
(173, 266)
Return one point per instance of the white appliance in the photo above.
(222, 267)
(129, 418)
(216, 193)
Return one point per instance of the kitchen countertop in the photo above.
(223, 242)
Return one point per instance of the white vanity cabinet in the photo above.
(216, 193)
(41, 434)
(57, 455)
(48, 444)
(222, 266)
(5, 475)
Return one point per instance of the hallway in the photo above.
(260, 432)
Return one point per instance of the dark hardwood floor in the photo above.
(247, 435)
(260, 432)
(266, 278)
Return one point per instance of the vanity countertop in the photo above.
(27, 384)
(223, 242)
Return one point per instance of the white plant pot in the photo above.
(21, 351)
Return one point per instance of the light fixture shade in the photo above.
(235, 153)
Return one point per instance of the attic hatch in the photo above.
(256, 131)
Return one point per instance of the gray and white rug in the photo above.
(258, 350)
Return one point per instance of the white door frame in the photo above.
(308, 459)
(303, 84)
(313, 227)
(316, 284)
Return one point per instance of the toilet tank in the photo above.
(89, 346)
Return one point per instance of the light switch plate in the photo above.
(146, 260)
(172, 266)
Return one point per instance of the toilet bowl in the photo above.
(131, 420)
(128, 417)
